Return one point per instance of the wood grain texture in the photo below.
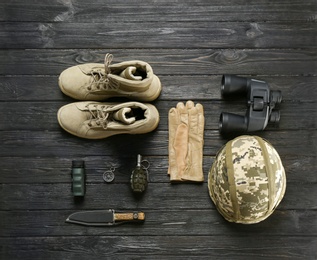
(154, 35)
(291, 62)
(190, 45)
(156, 247)
(158, 11)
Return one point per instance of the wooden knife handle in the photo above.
(133, 216)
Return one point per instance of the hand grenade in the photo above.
(139, 177)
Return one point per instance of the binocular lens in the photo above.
(232, 122)
(231, 84)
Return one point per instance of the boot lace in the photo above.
(100, 79)
(99, 114)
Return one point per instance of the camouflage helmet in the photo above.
(247, 180)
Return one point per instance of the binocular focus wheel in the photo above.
(258, 104)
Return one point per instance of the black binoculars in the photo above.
(261, 102)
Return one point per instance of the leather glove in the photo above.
(186, 131)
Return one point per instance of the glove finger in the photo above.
(173, 116)
(190, 104)
(195, 147)
(173, 121)
(180, 147)
(182, 110)
(193, 121)
(201, 120)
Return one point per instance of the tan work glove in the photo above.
(186, 138)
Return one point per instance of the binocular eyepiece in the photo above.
(261, 103)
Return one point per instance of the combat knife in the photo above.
(105, 217)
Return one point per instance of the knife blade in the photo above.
(105, 217)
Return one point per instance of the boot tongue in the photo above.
(128, 73)
(122, 116)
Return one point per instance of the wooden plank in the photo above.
(175, 35)
(53, 170)
(167, 61)
(21, 88)
(158, 247)
(205, 222)
(158, 11)
(158, 196)
(60, 144)
(45, 88)
(43, 115)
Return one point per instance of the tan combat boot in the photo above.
(94, 81)
(95, 120)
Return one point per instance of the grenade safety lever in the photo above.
(139, 177)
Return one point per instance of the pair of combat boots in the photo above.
(93, 82)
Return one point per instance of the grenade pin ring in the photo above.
(146, 166)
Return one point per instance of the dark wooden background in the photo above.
(189, 44)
